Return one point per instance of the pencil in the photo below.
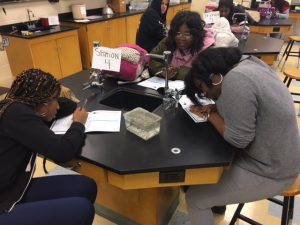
(85, 101)
(158, 73)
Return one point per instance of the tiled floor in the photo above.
(258, 210)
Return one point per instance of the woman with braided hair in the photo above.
(32, 101)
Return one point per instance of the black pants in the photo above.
(59, 200)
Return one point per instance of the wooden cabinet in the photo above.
(182, 7)
(173, 10)
(132, 25)
(110, 33)
(57, 54)
(170, 15)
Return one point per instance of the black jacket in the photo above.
(152, 27)
(238, 18)
(23, 135)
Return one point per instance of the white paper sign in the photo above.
(106, 59)
(211, 17)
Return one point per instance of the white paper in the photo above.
(97, 121)
(103, 120)
(186, 103)
(82, 21)
(61, 125)
(158, 82)
(211, 17)
(106, 59)
(94, 17)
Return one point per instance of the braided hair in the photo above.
(32, 87)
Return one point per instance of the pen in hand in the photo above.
(85, 101)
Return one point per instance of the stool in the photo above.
(290, 74)
(287, 204)
(287, 52)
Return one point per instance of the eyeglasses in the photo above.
(183, 35)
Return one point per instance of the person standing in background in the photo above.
(152, 27)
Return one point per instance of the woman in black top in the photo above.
(152, 27)
(228, 9)
(31, 103)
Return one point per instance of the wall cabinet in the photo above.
(173, 10)
(110, 33)
(58, 54)
(132, 25)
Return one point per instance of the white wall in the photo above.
(18, 12)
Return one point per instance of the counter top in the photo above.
(51, 30)
(96, 14)
(257, 44)
(124, 153)
(273, 22)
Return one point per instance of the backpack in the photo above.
(132, 62)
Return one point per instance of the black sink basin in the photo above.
(33, 26)
(42, 28)
(127, 100)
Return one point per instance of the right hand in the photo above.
(172, 71)
(80, 115)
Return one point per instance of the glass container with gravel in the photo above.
(142, 123)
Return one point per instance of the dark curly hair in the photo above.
(210, 61)
(32, 87)
(194, 23)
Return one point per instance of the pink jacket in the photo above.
(186, 60)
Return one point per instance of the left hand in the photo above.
(203, 110)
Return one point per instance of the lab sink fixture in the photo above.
(126, 99)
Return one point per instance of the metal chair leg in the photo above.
(287, 54)
(285, 211)
(237, 213)
(291, 208)
(285, 51)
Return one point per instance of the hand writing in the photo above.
(80, 115)
(203, 110)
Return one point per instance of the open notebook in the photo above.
(186, 103)
(97, 121)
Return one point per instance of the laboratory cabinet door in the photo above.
(132, 25)
(117, 32)
(45, 57)
(69, 55)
